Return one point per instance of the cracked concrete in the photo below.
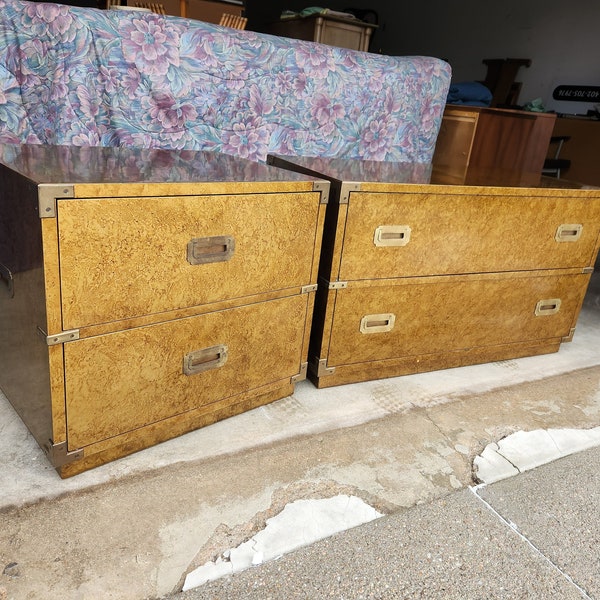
(525, 450)
(531, 536)
(299, 524)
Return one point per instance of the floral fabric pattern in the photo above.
(88, 77)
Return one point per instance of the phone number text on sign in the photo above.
(579, 93)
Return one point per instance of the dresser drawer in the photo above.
(123, 381)
(125, 257)
(393, 327)
(396, 234)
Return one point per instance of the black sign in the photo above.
(577, 93)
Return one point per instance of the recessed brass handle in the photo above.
(392, 235)
(205, 359)
(379, 323)
(217, 248)
(7, 277)
(547, 307)
(568, 232)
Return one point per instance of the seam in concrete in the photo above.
(513, 527)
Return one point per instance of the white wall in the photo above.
(561, 38)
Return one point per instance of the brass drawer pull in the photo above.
(7, 278)
(568, 232)
(392, 235)
(204, 360)
(547, 307)
(377, 323)
(218, 248)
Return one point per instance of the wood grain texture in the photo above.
(465, 233)
(444, 315)
(478, 145)
(135, 189)
(453, 147)
(407, 365)
(127, 380)
(138, 439)
(122, 258)
(57, 394)
(51, 277)
(182, 313)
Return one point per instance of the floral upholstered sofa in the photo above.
(87, 77)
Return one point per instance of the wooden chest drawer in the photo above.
(159, 372)
(398, 326)
(407, 234)
(122, 258)
(417, 276)
(141, 289)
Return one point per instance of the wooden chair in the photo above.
(554, 165)
(233, 21)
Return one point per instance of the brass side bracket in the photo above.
(322, 369)
(306, 289)
(48, 193)
(59, 454)
(587, 270)
(59, 338)
(323, 187)
(569, 338)
(302, 374)
(346, 188)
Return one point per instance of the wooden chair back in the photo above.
(233, 21)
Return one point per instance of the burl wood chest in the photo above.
(417, 276)
(147, 293)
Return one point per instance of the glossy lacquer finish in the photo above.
(147, 293)
(417, 275)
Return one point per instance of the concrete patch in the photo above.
(301, 523)
(525, 450)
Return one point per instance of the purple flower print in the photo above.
(170, 113)
(53, 19)
(377, 137)
(246, 140)
(108, 78)
(90, 102)
(318, 64)
(151, 45)
(11, 111)
(131, 82)
(325, 112)
(85, 138)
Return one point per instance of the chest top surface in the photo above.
(92, 164)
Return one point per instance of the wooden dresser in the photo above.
(326, 29)
(144, 294)
(419, 276)
(475, 144)
(210, 11)
(582, 148)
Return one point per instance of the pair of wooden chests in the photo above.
(147, 293)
